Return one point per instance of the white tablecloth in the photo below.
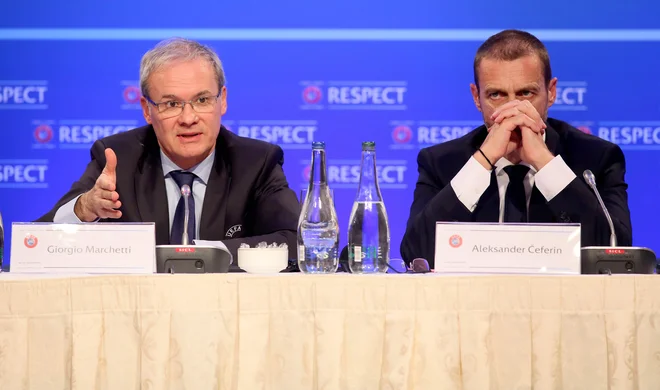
(238, 331)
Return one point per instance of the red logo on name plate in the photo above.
(185, 249)
(30, 241)
(455, 241)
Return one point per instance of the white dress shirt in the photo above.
(202, 172)
(473, 179)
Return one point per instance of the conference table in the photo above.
(343, 331)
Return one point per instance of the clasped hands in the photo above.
(517, 126)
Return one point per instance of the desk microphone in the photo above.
(185, 193)
(591, 181)
(188, 258)
(614, 259)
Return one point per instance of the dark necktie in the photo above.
(515, 200)
(181, 178)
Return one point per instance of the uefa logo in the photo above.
(233, 230)
(312, 94)
(132, 94)
(30, 241)
(43, 134)
(402, 134)
(455, 241)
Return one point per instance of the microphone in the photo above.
(185, 192)
(591, 181)
(187, 258)
(614, 259)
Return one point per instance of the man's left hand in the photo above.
(515, 108)
(534, 151)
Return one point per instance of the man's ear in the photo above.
(475, 96)
(552, 92)
(145, 109)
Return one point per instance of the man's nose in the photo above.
(188, 116)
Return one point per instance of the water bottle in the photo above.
(368, 230)
(318, 231)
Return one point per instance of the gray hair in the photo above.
(176, 50)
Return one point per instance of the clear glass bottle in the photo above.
(368, 230)
(318, 230)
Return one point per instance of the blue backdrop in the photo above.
(340, 72)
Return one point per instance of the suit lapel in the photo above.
(150, 190)
(214, 210)
(488, 208)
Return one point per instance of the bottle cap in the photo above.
(318, 145)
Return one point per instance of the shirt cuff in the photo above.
(65, 213)
(216, 244)
(553, 178)
(470, 183)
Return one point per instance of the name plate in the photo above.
(101, 248)
(495, 248)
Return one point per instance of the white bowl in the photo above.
(263, 260)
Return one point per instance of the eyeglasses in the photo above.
(171, 108)
(417, 266)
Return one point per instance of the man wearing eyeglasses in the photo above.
(239, 190)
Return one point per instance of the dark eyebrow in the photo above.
(490, 90)
(529, 87)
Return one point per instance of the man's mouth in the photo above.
(188, 136)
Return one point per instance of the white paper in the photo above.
(507, 248)
(105, 248)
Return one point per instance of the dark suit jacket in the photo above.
(435, 199)
(246, 187)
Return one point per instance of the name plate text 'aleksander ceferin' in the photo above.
(507, 248)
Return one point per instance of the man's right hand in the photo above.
(102, 201)
(502, 136)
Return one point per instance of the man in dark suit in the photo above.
(239, 193)
(520, 166)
